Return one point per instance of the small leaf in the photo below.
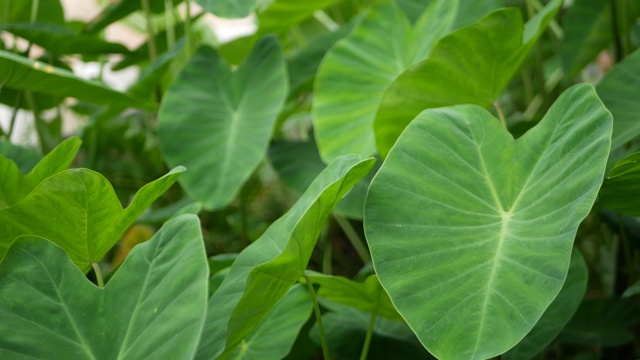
(557, 314)
(490, 245)
(358, 69)
(20, 73)
(153, 307)
(499, 43)
(15, 186)
(218, 122)
(274, 336)
(263, 272)
(78, 211)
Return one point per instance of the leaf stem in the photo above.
(316, 309)
(14, 114)
(170, 23)
(153, 52)
(367, 339)
(35, 4)
(503, 121)
(187, 29)
(98, 272)
(617, 37)
(354, 238)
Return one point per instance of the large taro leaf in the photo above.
(358, 69)
(469, 66)
(77, 210)
(228, 8)
(218, 122)
(60, 40)
(17, 72)
(14, 186)
(620, 189)
(264, 271)
(471, 231)
(153, 307)
(557, 314)
(618, 90)
(274, 336)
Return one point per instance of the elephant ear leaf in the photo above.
(490, 247)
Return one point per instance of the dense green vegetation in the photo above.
(382, 179)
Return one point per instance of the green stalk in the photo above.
(35, 4)
(14, 114)
(617, 37)
(169, 20)
(316, 309)
(503, 121)
(354, 238)
(98, 272)
(367, 339)
(187, 29)
(153, 52)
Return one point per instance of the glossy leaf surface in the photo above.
(618, 90)
(355, 73)
(218, 122)
(15, 186)
(557, 314)
(153, 307)
(20, 73)
(499, 43)
(263, 272)
(490, 248)
(78, 211)
(273, 338)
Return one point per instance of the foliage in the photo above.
(356, 179)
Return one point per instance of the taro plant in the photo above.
(384, 179)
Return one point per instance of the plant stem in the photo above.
(617, 37)
(354, 238)
(35, 4)
(98, 272)
(14, 114)
(153, 52)
(500, 114)
(367, 339)
(168, 18)
(187, 29)
(316, 309)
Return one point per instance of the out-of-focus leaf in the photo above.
(228, 8)
(119, 9)
(137, 234)
(620, 190)
(78, 211)
(264, 271)
(218, 122)
(49, 11)
(153, 307)
(14, 186)
(23, 157)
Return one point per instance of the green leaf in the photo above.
(78, 211)
(499, 43)
(557, 314)
(120, 9)
(632, 290)
(587, 31)
(367, 296)
(490, 245)
(15, 186)
(20, 73)
(273, 338)
(602, 322)
(230, 9)
(620, 189)
(218, 122)
(60, 40)
(49, 11)
(470, 10)
(263, 272)
(359, 68)
(26, 159)
(280, 15)
(153, 306)
(618, 90)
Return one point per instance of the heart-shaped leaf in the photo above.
(153, 307)
(78, 211)
(358, 69)
(469, 66)
(15, 186)
(264, 271)
(557, 314)
(274, 336)
(218, 122)
(489, 248)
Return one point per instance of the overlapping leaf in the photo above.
(228, 8)
(153, 307)
(218, 122)
(620, 189)
(78, 211)
(356, 72)
(490, 247)
(469, 66)
(265, 270)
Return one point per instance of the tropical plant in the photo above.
(382, 179)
